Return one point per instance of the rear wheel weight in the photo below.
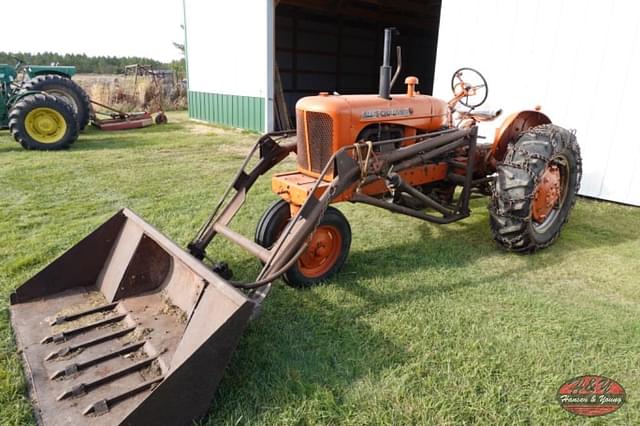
(543, 165)
(327, 250)
(43, 122)
(66, 89)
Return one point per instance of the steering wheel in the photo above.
(472, 85)
(20, 63)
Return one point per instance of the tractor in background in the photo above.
(46, 109)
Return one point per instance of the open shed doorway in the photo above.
(336, 46)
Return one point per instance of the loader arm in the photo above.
(271, 153)
(289, 246)
(350, 172)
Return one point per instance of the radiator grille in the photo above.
(301, 135)
(320, 128)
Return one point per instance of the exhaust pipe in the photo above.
(384, 90)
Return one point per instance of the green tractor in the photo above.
(45, 110)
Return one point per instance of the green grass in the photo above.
(425, 324)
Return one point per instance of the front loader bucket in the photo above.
(126, 328)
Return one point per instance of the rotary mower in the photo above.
(128, 328)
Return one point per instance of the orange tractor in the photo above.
(139, 331)
(411, 154)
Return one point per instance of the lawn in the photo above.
(425, 324)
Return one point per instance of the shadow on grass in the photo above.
(306, 348)
(10, 147)
(303, 348)
(458, 244)
(94, 139)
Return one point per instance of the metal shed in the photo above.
(250, 60)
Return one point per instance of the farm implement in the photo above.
(128, 328)
(120, 120)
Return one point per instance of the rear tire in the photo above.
(43, 122)
(327, 251)
(66, 89)
(520, 188)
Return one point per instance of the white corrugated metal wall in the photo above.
(578, 59)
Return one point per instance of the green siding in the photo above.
(245, 112)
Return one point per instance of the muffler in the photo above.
(126, 328)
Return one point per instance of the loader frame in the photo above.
(351, 172)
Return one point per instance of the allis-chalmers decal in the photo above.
(383, 113)
(591, 396)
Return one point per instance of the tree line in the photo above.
(87, 64)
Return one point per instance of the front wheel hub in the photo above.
(45, 125)
(322, 252)
(547, 194)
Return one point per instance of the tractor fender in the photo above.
(511, 127)
(62, 71)
(45, 72)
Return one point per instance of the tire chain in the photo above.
(551, 133)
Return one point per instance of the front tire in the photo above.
(64, 88)
(43, 122)
(535, 189)
(327, 250)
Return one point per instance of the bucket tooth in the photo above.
(73, 369)
(98, 408)
(83, 388)
(101, 407)
(95, 341)
(124, 292)
(61, 337)
(70, 317)
(75, 391)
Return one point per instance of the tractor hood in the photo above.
(420, 111)
(326, 123)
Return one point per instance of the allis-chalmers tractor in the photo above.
(45, 109)
(126, 327)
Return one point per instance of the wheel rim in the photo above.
(322, 252)
(45, 125)
(550, 194)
